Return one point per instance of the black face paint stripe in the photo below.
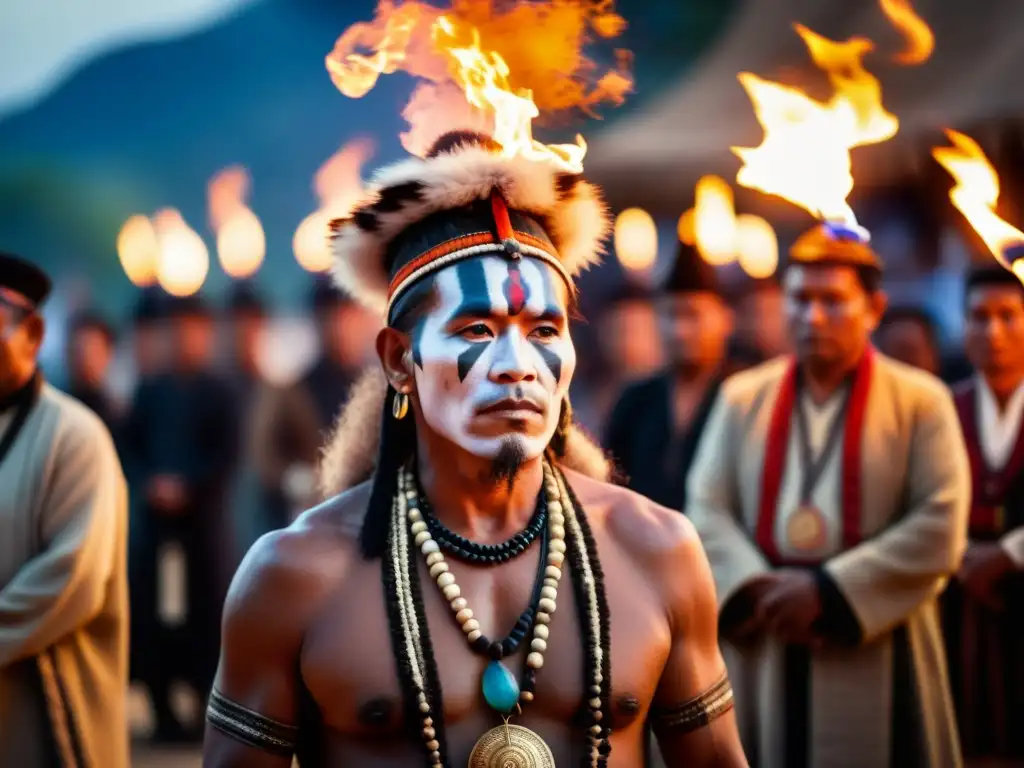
(468, 358)
(550, 358)
(473, 287)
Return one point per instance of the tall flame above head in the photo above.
(241, 244)
(975, 196)
(805, 154)
(338, 185)
(184, 261)
(919, 36)
(486, 68)
(484, 78)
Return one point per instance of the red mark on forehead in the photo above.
(515, 290)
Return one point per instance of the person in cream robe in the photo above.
(63, 558)
(831, 494)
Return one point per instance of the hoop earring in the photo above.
(400, 406)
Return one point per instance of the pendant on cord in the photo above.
(511, 746)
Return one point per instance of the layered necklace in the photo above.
(560, 525)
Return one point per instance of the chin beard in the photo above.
(508, 461)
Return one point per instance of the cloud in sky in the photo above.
(44, 41)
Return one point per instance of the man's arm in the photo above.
(712, 504)
(692, 715)
(252, 716)
(888, 577)
(84, 506)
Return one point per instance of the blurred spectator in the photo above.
(90, 348)
(290, 424)
(183, 433)
(630, 349)
(63, 530)
(656, 425)
(909, 334)
(246, 321)
(984, 605)
(348, 335)
(246, 316)
(149, 345)
(759, 323)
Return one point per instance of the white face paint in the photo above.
(493, 359)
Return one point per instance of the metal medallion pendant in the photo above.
(511, 746)
(805, 529)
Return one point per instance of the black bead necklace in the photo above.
(470, 551)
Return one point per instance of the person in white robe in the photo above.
(831, 493)
(63, 585)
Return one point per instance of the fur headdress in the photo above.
(464, 199)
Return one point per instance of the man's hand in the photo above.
(750, 596)
(790, 606)
(983, 568)
(167, 493)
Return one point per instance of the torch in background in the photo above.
(975, 196)
(804, 156)
(241, 244)
(163, 250)
(338, 185)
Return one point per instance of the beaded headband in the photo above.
(464, 199)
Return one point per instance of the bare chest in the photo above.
(348, 663)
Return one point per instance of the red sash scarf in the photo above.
(777, 447)
(989, 485)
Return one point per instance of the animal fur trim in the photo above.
(571, 209)
(349, 457)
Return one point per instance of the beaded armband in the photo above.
(250, 728)
(695, 713)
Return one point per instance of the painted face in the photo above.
(493, 358)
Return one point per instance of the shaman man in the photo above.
(475, 592)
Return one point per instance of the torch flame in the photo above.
(757, 247)
(976, 194)
(636, 239)
(355, 74)
(714, 220)
(139, 250)
(184, 260)
(805, 154)
(338, 185)
(241, 244)
(483, 76)
(919, 36)
(476, 48)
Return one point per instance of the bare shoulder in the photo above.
(654, 536)
(299, 565)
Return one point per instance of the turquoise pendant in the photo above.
(500, 687)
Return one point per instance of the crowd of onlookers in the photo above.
(217, 449)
